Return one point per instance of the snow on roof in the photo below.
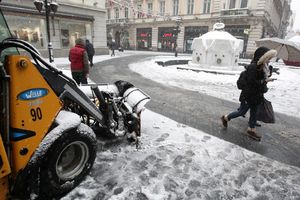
(213, 35)
(213, 39)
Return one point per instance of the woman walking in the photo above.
(253, 93)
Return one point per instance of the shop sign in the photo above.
(167, 35)
(143, 35)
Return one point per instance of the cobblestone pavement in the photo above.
(280, 141)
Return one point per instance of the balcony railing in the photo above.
(117, 21)
(235, 12)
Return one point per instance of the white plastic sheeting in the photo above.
(136, 99)
(216, 49)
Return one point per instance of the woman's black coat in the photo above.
(253, 92)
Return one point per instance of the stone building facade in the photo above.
(152, 24)
(74, 18)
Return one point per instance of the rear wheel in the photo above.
(68, 161)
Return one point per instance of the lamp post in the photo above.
(178, 22)
(49, 5)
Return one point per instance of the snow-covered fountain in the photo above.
(216, 50)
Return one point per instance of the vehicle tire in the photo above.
(67, 162)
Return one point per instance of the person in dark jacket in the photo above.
(79, 62)
(253, 93)
(90, 51)
(113, 47)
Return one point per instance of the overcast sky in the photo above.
(296, 8)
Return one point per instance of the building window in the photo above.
(116, 13)
(126, 12)
(70, 31)
(191, 32)
(162, 8)
(30, 29)
(175, 7)
(125, 40)
(206, 6)
(244, 3)
(5, 33)
(150, 8)
(166, 39)
(190, 7)
(108, 14)
(238, 31)
(144, 38)
(232, 4)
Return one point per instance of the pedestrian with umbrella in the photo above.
(287, 50)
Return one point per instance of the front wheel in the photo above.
(68, 161)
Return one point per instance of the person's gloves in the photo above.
(270, 79)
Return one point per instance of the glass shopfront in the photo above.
(240, 32)
(32, 30)
(125, 40)
(191, 32)
(144, 38)
(166, 39)
(70, 31)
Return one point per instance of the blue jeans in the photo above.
(242, 110)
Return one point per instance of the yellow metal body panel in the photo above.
(4, 188)
(4, 172)
(33, 107)
(4, 168)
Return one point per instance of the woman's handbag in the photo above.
(265, 112)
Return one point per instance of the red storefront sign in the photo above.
(143, 34)
(168, 35)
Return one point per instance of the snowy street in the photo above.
(175, 161)
(178, 162)
(150, 100)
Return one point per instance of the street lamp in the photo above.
(178, 22)
(49, 5)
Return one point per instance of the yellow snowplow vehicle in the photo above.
(49, 124)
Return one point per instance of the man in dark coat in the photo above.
(113, 47)
(79, 62)
(252, 94)
(90, 51)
